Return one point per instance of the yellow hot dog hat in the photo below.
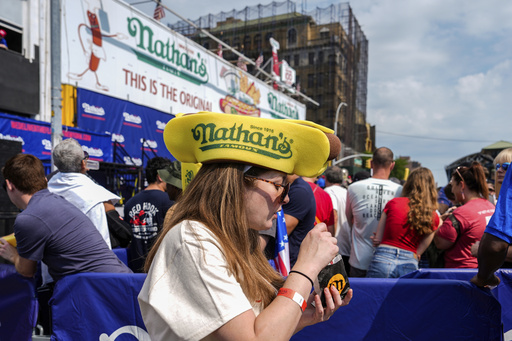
(290, 146)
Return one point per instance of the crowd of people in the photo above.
(218, 232)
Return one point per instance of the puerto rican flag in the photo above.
(282, 250)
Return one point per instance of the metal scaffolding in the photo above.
(277, 12)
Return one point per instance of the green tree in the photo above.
(399, 169)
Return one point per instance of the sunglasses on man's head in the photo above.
(502, 165)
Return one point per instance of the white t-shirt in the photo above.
(366, 200)
(189, 292)
(338, 196)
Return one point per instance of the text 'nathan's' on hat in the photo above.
(290, 146)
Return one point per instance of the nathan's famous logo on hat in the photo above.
(256, 139)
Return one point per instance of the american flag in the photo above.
(282, 250)
(259, 60)
(241, 64)
(159, 11)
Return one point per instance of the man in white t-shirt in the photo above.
(338, 194)
(365, 202)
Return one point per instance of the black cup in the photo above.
(334, 274)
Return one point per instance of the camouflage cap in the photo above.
(172, 174)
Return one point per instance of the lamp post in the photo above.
(336, 118)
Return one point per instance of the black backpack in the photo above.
(434, 255)
(120, 231)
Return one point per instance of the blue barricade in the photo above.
(18, 305)
(122, 254)
(503, 292)
(94, 305)
(98, 306)
(412, 309)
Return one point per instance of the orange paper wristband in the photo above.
(294, 296)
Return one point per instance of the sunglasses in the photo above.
(286, 188)
(460, 175)
(503, 165)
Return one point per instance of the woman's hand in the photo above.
(316, 251)
(375, 241)
(318, 313)
(448, 212)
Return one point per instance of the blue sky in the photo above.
(439, 74)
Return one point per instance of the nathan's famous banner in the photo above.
(35, 138)
(136, 130)
(111, 48)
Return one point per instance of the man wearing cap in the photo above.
(172, 176)
(145, 212)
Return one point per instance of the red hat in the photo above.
(2, 33)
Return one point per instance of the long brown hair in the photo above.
(216, 198)
(421, 190)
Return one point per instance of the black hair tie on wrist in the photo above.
(300, 273)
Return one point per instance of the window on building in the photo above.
(292, 36)
(324, 33)
(311, 58)
(247, 43)
(320, 80)
(311, 80)
(319, 99)
(257, 41)
(296, 60)
(287, 58)
(332, 59)
(206, 45)
(321, 56)
(297, 80)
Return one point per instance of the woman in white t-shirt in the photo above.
(207, 277)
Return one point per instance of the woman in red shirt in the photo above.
(468, 223)
(406, 227)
